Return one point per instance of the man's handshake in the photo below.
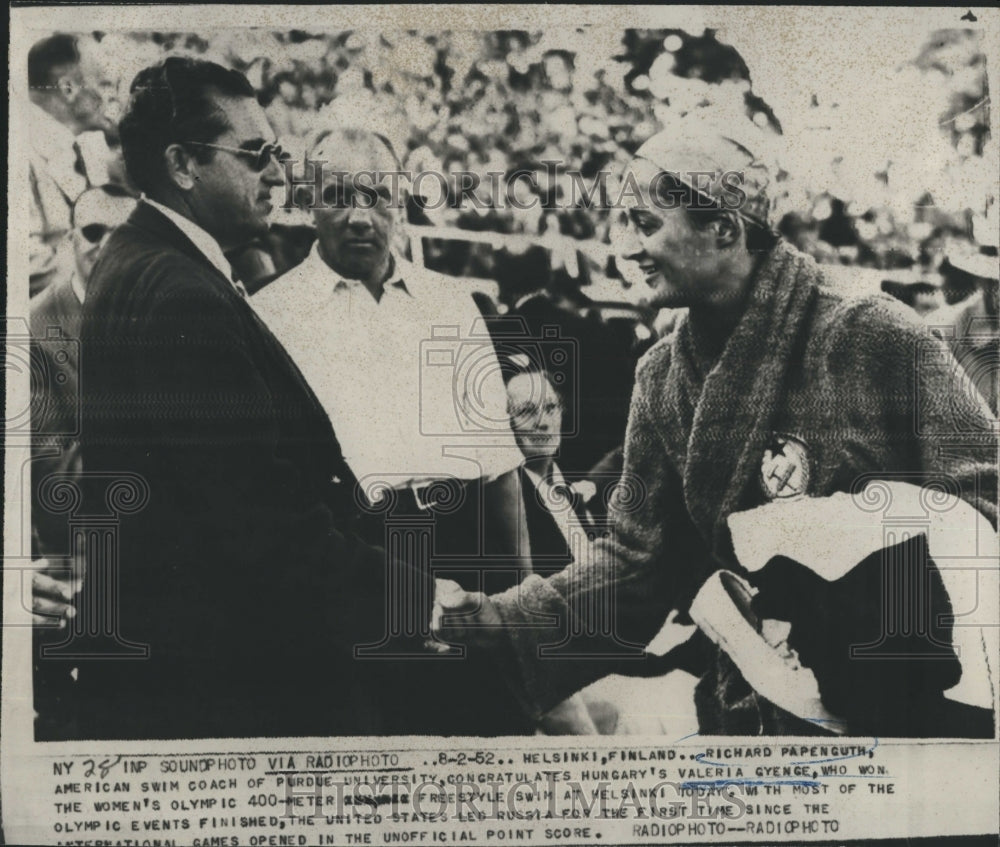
(466, 618)
(463, 617)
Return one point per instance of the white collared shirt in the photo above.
(207, 245)
(561, 509)
(52, 143)
(77, 285)
(411, 382)
(55, 181)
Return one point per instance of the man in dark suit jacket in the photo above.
(554, 510)
(56, 315)
(562, 517)
(557, 522)
(237, 567)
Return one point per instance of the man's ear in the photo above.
(728, 229)
(182, 169)
(68, 88)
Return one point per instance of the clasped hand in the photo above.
(463, 617)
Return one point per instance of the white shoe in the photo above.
(722, 610)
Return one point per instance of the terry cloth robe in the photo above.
(838, 390)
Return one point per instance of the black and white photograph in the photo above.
(586, 380)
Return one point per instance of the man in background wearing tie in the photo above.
(68, 149)
(559, 526)
(56, 314)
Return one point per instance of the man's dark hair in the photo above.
(111, 189)
(48, 57)
(670, 190)
(170, 103)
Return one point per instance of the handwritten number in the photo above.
(105, 767)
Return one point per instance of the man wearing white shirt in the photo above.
(401, 361)
(68, 149)
(404, 368)
(404, 417)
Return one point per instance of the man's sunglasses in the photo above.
(95, 232)
(261, 158)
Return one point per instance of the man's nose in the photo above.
(358, 217)
(274, 173)
(629, 246)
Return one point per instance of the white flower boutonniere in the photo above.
(584, 489)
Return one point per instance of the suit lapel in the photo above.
(154, 221)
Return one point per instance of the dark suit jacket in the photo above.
(56, 314)
(240, 572)
(549, 551)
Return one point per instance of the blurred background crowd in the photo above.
(895, 180)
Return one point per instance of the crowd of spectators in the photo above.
(510, 101)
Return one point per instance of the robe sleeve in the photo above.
(918, 399)
(586, 621)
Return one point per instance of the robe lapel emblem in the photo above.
(784, 469)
